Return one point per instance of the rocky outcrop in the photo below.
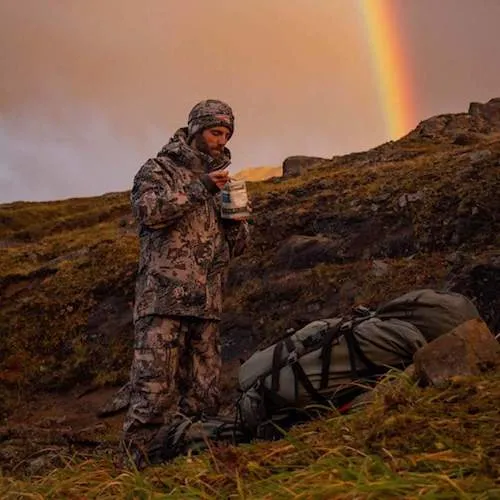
(490, 112)
(297, 165)
(461, 128)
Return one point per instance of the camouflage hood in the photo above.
(180, 151)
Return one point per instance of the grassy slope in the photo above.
(410, 443)
(60, 260)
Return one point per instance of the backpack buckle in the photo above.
(362, 312)
(292, 358)
(346, 326)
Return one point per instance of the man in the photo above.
(185, 248)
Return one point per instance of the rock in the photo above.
(379, 268)
(296, 165)
(465, 139)
(239, 337)
(489, 111)
(480, 156)
(406, 198)
(299, 252)
(299, 192)
(470, 349)
(455, 258)
(461, 128)
(112, 314)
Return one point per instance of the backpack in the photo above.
(331, 361)
(327, 362)
(433, 312)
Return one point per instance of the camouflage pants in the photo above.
(176, 368)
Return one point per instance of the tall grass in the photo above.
(409, 443)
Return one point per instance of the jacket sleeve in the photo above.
(237, 234)
(158, 199)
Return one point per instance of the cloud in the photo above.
(92, 88)
(79, 153)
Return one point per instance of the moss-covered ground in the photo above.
(67, 272)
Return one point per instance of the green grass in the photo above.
(410, 443)
(61, 259)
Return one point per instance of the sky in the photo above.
(90, 89)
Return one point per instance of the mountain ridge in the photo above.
(256, 174)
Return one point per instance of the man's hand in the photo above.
(219, 177)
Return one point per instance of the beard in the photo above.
(201, 145)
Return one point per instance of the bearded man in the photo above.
(185, 249)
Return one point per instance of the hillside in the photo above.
(420, 212)
(256, 174)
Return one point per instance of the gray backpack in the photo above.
(331, 361)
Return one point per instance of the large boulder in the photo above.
(468, 350)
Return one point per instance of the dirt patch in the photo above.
(55, 424)
(41, 433)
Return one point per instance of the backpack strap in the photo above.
(355, 348)
(276, 367)
(300, 376)
(293, 361)
(272, 400)
(326, 353)
(352, 347)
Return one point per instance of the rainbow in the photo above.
(390, 65)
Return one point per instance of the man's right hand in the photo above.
(219, 177)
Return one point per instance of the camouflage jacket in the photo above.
(185, 246)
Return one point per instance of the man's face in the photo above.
(212, 140)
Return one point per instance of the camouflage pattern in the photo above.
(176, 368)
(210, 113)
(185, 244)
(185, 247)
